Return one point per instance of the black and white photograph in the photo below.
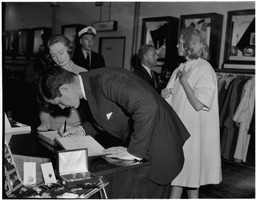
(159, 94)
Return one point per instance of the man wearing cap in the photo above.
(84, 56)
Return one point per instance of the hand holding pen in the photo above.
(70, 131)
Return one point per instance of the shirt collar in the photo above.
(146, 68)
(85, 52)
(82, 86)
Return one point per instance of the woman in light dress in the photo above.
(60, 50)
(193, 94)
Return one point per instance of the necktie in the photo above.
(88, 62)
(153, 78)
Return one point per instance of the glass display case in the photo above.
(240, 40)
(162, 33)
(71, 31)
(24, 43)
(40, 36)
(10, 44)
(211, 25)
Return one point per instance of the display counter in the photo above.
(127, 179)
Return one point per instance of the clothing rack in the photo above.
(249, 72)
(232, 136)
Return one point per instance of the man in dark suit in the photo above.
(128, 108)
(84, 56)
(148, 58)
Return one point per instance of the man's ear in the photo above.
(80, 40)
(64, 89)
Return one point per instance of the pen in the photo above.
(65, 124)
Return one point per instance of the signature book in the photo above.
(72, 142)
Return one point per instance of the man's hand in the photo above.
(119, 152)
(71, 131)
(44, 127)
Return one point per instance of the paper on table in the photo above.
(78, 142)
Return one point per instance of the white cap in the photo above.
(88, 30)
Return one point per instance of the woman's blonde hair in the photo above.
(194, 45)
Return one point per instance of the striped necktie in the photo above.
(153, 78)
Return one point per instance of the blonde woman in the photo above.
(192, 93)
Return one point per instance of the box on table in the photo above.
(73, 168)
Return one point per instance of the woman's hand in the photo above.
(44, 127)
(183, 75)
(71, 131)
(165, 93)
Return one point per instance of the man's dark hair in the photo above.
(50, 80)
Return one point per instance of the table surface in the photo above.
(27, 145)
(127, 179)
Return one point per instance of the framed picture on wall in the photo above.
(162, 33)
(71, 31)
(10, 43)
(211, 25)
(40, 36)
(25, 42)
(240, 40)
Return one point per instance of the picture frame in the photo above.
(211, 25)
(71, 31)
(162, 33)
(10, 43)
(40, 36)
(240, 40)
(25, 43)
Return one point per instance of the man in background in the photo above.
(148, 58)
(83, 55)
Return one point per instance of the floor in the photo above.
(238, 182)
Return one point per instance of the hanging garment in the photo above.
(243, 117)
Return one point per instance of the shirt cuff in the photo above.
(136, 158)
(83, 131)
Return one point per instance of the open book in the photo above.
(72, 142)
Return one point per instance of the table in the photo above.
(126, 179)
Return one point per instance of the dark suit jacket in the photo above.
(127, 107)
(97, 60)
(140, 71)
